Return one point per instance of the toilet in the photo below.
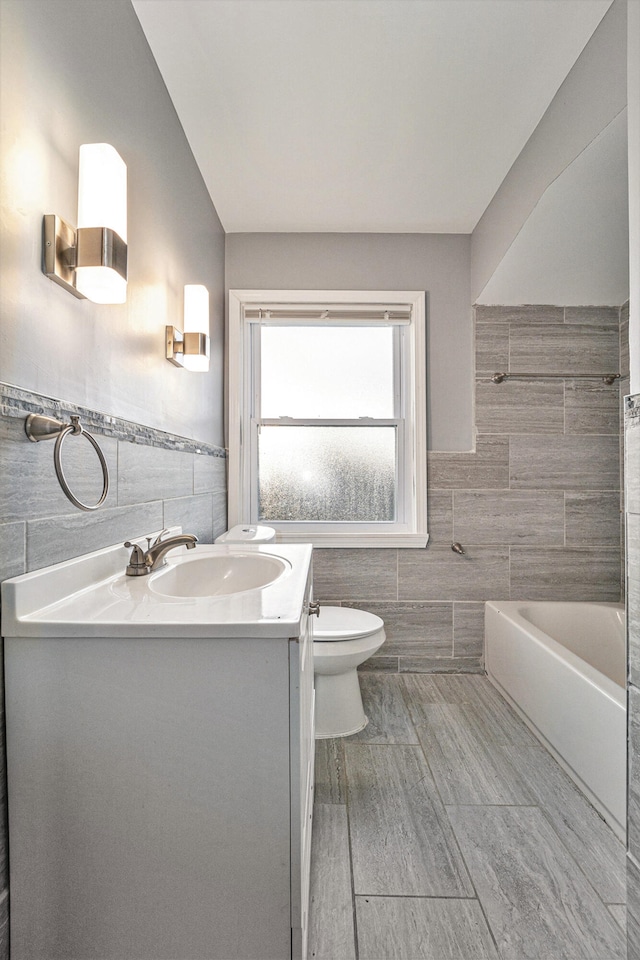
(343, 638)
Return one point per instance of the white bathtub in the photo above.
(562, 667)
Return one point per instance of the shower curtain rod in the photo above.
(605, 377)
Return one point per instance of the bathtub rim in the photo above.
(512, 610)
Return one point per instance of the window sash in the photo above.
(401, 499)
(401, 370)
(402, 495)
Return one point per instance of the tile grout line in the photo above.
(397, 553)
(417, 896)
(354, 917)
(453, 630)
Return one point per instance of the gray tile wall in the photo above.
(537, 505)
(150, 487)
(632, 497)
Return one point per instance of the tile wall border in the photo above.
(17, 402)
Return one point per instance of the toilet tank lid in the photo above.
(345, 623)
(248, 533)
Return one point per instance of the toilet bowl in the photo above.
(343, 638)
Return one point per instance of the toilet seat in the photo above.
(345, 623)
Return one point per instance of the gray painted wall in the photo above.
(75, 72)
(574, 248)
(438, 264)
(594, 92)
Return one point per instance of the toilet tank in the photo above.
(247, 533)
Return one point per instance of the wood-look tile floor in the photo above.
(444, 831)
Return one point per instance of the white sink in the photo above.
(215, 590)
(216, 576)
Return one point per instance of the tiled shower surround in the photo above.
(536, 506)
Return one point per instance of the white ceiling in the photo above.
(361, 115)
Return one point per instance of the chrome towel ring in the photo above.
(38, 428)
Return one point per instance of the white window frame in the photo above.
(411, 530)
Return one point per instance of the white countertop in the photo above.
(90, 596)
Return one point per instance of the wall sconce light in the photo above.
(91, 261)
(190, 349)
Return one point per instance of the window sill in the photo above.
(357, 540)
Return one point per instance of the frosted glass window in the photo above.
(327, 415)
(327, 473)
(326, 372)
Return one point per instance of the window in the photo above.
(327, 415)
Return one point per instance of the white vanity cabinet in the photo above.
(160, 787)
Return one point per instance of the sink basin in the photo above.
(215, 590)
(217, 576)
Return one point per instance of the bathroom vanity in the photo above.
(160, 760)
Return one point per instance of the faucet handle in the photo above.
(137, 562)
(158, 539)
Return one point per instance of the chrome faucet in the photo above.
(141, 563)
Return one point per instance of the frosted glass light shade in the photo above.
(196, 320)
(102, 202)
(102, 188)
